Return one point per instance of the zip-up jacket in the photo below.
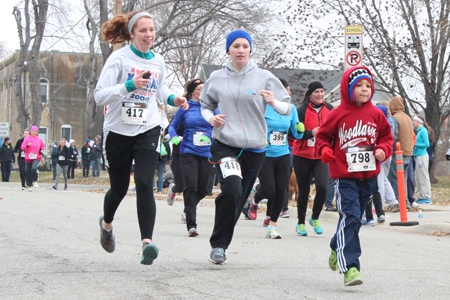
(304, 147)
(193, 122)
(34, 149)
(63, 156)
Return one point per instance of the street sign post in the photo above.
(353, 46)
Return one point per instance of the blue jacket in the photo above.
(193, 122)
(422, 142)
(277, 128)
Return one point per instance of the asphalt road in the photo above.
(49, 249)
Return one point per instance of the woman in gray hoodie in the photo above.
(241, 91)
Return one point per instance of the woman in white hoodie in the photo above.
(130, 82)
(241, 92)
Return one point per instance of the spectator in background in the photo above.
(421, 158)
(86, 157)
(164, 156)
(73, 160)
(54, 155)
(21, 157)
(96, 156)
(406, 139)
(6, 157)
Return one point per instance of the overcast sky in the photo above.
(8, 25)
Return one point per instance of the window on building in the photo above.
(66, 132)
(44, 90)
(42, 133)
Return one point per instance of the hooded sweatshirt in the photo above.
(236, 94)
(34, 149)
(349, 126)
(405, 127)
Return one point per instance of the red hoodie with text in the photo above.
(349, 129)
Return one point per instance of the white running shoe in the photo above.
(183, 218)
(170, 198)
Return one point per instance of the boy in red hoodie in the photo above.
(354, 139)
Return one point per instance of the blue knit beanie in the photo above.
(238, 34)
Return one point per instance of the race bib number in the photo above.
(312, 142)
(229, 167)
(32, 156)
(61, 157)
(134, 113)
(360, 159)
(278, 138)
(22, 154)
(88, 150)
(197, 141)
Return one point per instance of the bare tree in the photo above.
(405, 45)
(28, 59)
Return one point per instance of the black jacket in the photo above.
(96, 151)
(7, 153)
(18, 150)
(63, 156)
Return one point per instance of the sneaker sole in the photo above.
(149, 254)
(354, 282)
(194, 234)
(169, 200)
(216, 263)
(273, 238)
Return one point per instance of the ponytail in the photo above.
(115, 31)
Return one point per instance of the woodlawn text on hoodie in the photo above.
(348, 127)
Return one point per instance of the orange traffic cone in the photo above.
(401, 191)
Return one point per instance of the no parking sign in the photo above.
(353, 46)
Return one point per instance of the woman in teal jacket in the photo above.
(421, 159)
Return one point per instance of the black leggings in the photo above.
(273, 180)
(144, 168)
(234, 191)
(21, 163)
(377, 202)
(31, 172)
(177, 175)
(304, 168)
(196, 170)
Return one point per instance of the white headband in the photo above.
(418, 119)
(135, 18)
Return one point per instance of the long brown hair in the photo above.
(115, 31)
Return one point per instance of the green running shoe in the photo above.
(301, 229)
(272, 233)
(317, 226)
(332, 261)
(352, 277)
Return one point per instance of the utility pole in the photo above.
(117, 11)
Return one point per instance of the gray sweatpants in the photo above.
(60, 169)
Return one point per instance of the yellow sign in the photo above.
(354, 29)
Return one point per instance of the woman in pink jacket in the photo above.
(33, 147)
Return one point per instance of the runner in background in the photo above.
(34, 148)
(307, 162)
(194, 152)
(21, 157)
